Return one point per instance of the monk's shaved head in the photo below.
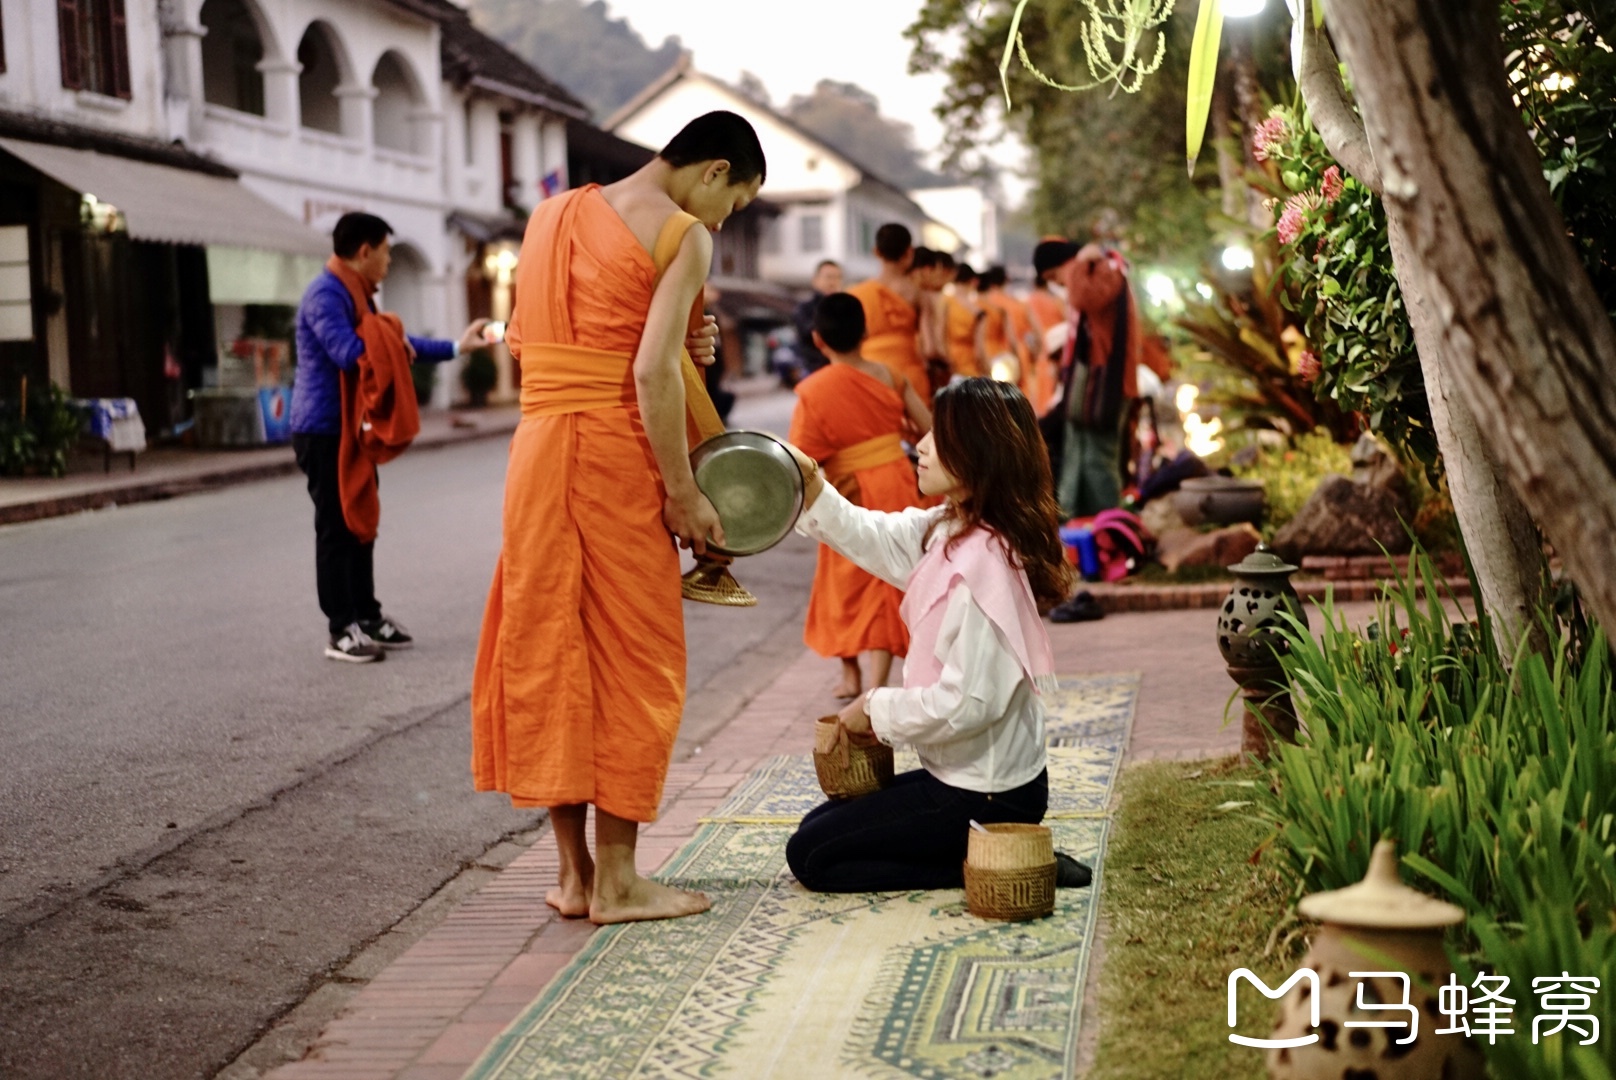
(839, 322)
(719, 136)
(893, 241)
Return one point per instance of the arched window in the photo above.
(396, 100)
(231, 53)
(317, 85)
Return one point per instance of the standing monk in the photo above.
(580, 677)
(1047, 307)
(852, 417)
(965, 358)
(891, 308)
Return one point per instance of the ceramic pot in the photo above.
(1219, 500)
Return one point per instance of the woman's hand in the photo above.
(855, 717)
(813, 481)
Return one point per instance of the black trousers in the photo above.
(343, 567)
(910, 835)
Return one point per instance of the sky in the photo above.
(795, 45)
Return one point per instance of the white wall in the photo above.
(797, 167)
(33, 77)
(969, 213)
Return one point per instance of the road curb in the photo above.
(228, 476)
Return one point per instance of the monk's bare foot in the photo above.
(645, 900)
(852, 684)
(571, 896)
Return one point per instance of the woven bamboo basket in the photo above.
(856, 769)
(1010, 872)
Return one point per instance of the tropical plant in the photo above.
(1498, 784)
(1337, 261)
(1247, 340)
(37, 438)
(1290, 474)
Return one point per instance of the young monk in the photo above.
(972, 571)
(579, 683)
(964, 314)
(1006, 328)
(931, 271)
(851, 417)
(891, 307)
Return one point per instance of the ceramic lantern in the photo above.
(1250, 639)
(1249, 623)
(1378, 925)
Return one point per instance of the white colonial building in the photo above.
(830, 205)
(176, 165)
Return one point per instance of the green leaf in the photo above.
(1203, 73)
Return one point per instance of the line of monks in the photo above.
(926, 321)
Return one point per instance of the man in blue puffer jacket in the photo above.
(327, 345)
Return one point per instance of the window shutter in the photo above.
(118, 48)
(67, 34)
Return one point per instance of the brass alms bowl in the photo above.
(754, 484)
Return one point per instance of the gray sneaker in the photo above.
(354, 646)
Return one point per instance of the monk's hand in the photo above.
(409, 349)
(855, 718)
(703, 344)
(691, 516)
(471, 339)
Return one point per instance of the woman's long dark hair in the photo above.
(987, 437)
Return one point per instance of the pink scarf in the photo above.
(980, 560)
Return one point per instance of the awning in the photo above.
(174, 206)
(254, 276)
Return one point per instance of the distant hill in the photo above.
(848, 117)
(604, 61)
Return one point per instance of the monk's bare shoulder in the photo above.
(644, 208)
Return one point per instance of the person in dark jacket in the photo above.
(827, 280)
(327, 345)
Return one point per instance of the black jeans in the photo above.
(343, 567)
(910, 835)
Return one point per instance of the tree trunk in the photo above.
(1498, 532)
(1522, 337)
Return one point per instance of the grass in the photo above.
(1183, 907)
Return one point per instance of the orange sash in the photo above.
(558, 379)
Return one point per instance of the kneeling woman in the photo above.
(979, 660)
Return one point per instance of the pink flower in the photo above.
(1307, 366)
(1269, 133)
(1332, 184)
(1291, 224)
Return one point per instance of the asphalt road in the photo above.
(201, 818)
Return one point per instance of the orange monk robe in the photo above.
(960, 326)
(850, 421)
(892, 326)
(580, 674)
(1047, 311)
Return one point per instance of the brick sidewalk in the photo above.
(431, 1013)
